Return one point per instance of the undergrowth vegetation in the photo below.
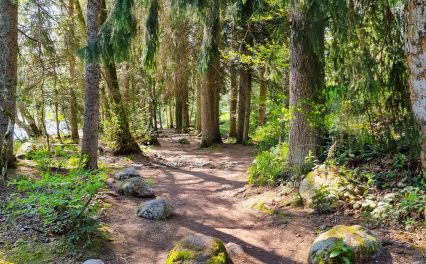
(63, 196)
(380, 172)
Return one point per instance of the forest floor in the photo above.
(208, 190)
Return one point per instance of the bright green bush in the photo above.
(267, 136)
(269, 166)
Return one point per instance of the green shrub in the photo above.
(267, 136)
(269, 166)
(324, 200)
(65, 202)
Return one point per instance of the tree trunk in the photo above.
(29, 119)
(91, 100)
(211, 80)
(247, 81)
(8, 80)
(171, 115)
(306, 80)
(72, 65)
(262, 103)
(241, 106)
(198, 118)
(415, 12)
(124, 142)
(185, 108)
(178, 109)
(233, 99)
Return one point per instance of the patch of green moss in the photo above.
(218, 259)
(24, 252)
(177, 254)
(260, 206)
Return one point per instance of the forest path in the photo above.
(207, 189)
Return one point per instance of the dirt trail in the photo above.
(205, 186)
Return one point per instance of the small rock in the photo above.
(234, 248)
(137, 187)
(126, 174)
(198, 249)
(157, 209)
(363, 244)
(93, 261)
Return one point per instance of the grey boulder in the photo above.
(137, 187)
(157, 209)
(126, 174)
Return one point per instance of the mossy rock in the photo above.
(362, 242)
(322, 176)
(137, 187)
(198, 249)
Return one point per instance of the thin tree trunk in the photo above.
(415, 13)
(242, 97)
(154, 104)
(8, 80)
(306, 80)
(171, 115)
(247, 81)
(72, 69)
(58, 127)
(262, 102)
(198, 118)
(91, 100)
(185, 109)
(233, 99)
(178, 109)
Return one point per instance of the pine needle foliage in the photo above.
(114, 39)
(151, 34)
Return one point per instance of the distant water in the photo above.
(20, 133)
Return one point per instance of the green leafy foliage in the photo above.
(340, 253)
(324, 200)
(63, 198)
(269, 166)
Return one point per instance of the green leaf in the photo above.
(335, 253)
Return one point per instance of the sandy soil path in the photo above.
(205, 187)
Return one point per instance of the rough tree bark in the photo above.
(211, 81)
(415, 13)
(8, 80)
(244, 104)
(233, 103)
(306, 78)
(91, 100)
